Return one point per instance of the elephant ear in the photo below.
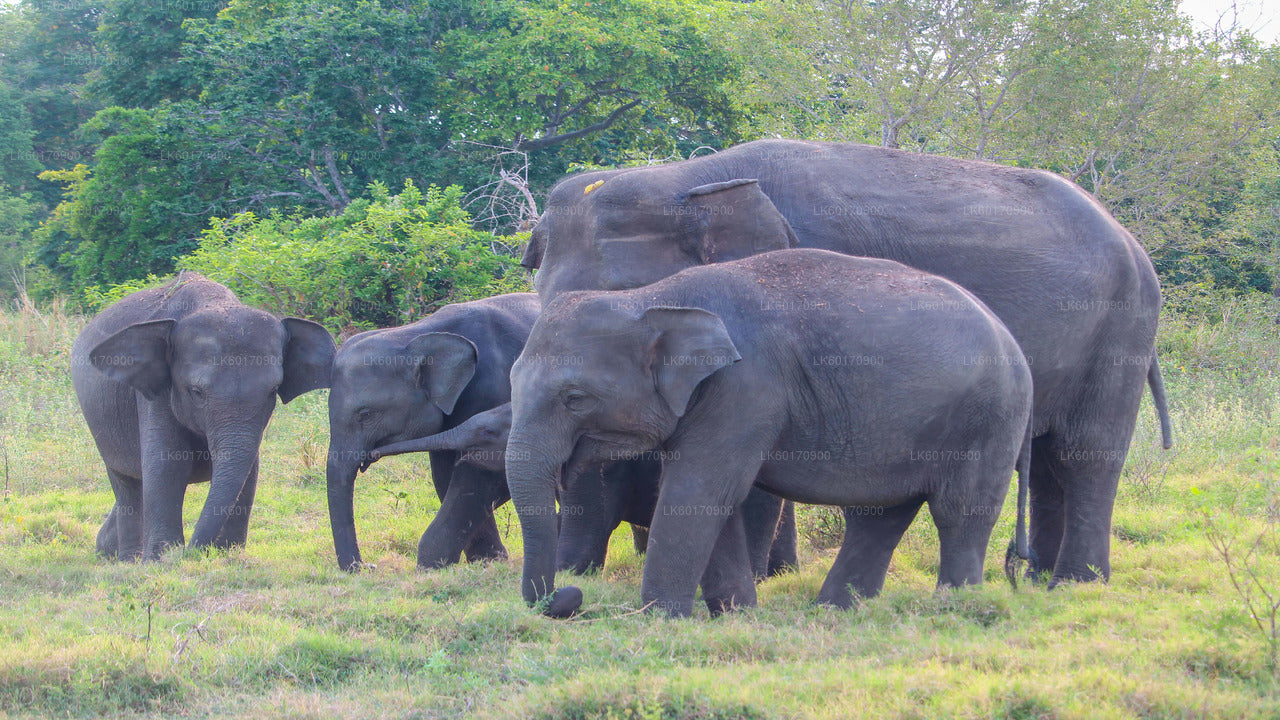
(137, 356)
(734, 219)
(532, 257)
(446, 363)
(691, 344)
(308, 358)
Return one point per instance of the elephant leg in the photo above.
(699, 492)
(640, 538)
(761, 512)
(486, 543)
(727, 583)
(1046, 507)
(236, 531)
(965, 512)
(871, 534)
(125, 518)
(1088, 462)
(467, 505)
(120, 537)
(783, 555)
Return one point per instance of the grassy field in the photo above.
(276, 631)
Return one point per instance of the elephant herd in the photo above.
(710, 341)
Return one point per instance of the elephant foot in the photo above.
(781, 568)
(720, 606)
(670, 608)
(497, 554)
(1060, 578)
(435, 563)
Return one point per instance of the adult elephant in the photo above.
(177, 384)
(416, 380)
(1074, 287)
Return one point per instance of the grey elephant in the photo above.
(595, 497)
(1073, 286)
(177, 384)
(416, 380)
(820, 377)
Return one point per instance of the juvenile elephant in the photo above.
(416, 380)
(820, 377)
(595, 497)
(177, 384)
(1074, 287)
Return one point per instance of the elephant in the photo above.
(596, 497)
(1074, 287)
(416, 380)
(177, 384)
(820, 377)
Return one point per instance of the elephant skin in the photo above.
(177, 384)
(822, 378)
(1076, 290)
(417, 380)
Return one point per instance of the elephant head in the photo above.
(220, 371)
(594, 382)
(616, 230)
(387, 387)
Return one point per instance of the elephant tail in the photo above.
(1156, 381)
(1020, 546)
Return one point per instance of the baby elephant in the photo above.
(177, 384)
(416, 380)
(821, 377)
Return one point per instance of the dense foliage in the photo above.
(384, 261)
(128, 129)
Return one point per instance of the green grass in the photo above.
(276, 631)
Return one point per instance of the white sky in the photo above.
(1259, 16)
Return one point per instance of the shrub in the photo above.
(382, 262)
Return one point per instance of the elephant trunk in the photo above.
(340, 475)
(451, 439)
(454, 439)
(532, 472)
(234, 455)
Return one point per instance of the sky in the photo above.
(1260, 16)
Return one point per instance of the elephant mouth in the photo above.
(609, 446)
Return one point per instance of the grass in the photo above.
(276, 631)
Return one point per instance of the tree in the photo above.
(46, 60)
(337, 97)
(18, 164)
(304, 105)
(143, 203)
(141, 49)
(1161, 125)
(382, 262)
(18, 217)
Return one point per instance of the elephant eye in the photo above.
(197, 393)
(578, 402)
(363, 415)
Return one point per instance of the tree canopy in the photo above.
(128, 129)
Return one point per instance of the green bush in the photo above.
(382, 262)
